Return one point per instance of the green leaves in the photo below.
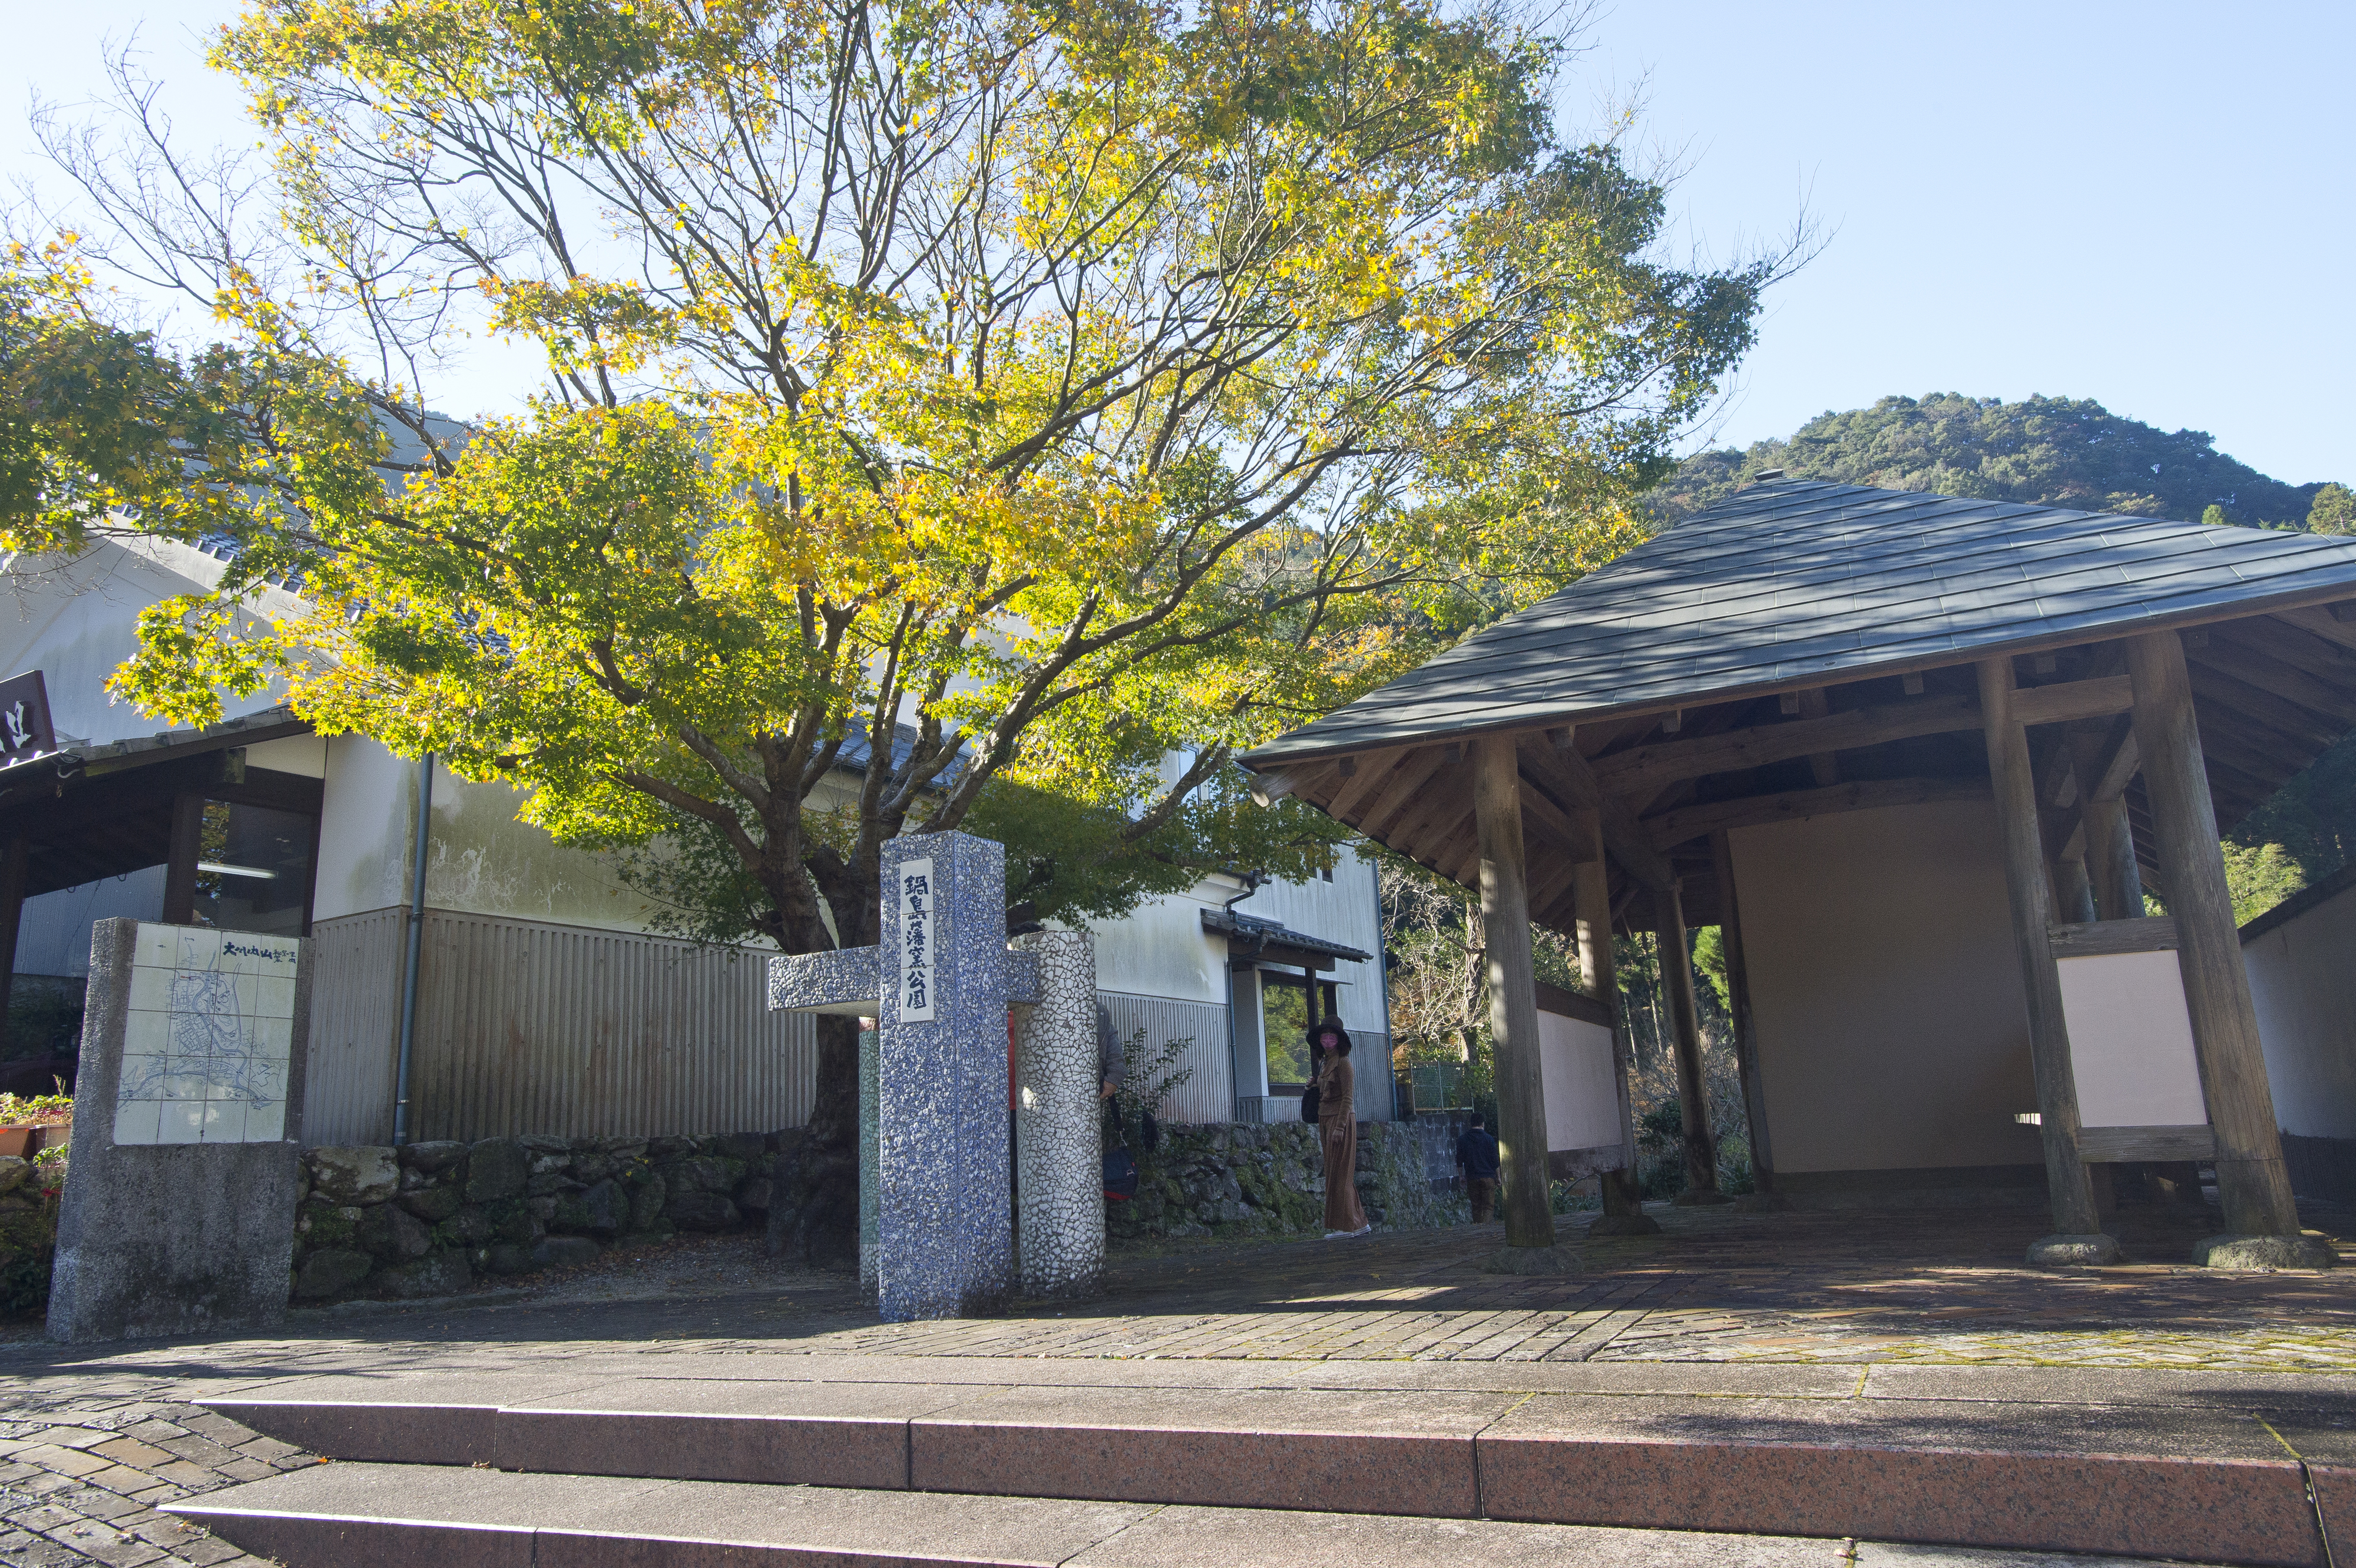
(1044, 390)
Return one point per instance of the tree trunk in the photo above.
(816, 1212)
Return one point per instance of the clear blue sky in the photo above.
(2145, 204)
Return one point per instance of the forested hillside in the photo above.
(2061, 452)
(2052, 450)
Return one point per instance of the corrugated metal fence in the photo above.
(1209, 1093)
(527, 1026)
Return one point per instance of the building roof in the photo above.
(1791, 583)
(1273, 936)
(1805, 648)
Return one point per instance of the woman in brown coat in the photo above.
(1337, 1129)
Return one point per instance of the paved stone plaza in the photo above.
(95, 1441)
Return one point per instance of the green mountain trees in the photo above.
(2047, 451)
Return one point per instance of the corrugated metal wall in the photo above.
(355, 965)
(527, 1027)
(1210, 1094)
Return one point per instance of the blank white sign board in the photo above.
(1582, 1097)
(2131, 1041)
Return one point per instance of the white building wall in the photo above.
(1893, 1031)
(2303, 979)
(76, 621)
(480, 859)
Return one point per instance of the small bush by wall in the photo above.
(429, 1218)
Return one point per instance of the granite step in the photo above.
(2189, 1479)
(390, 1516)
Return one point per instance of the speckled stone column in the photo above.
(1058, 1158)
(870, 1188)
(944, 1244)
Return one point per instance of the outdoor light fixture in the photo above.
(253, 871)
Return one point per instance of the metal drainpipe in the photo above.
(1383, 972)
(1235, 1045)
(416, 935)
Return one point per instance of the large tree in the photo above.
(1070, 384)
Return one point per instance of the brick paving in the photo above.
(81, 1480)
(91, 1440)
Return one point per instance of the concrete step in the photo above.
(390, 1516)
(2186, 1480)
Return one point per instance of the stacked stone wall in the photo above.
(1242, 1179)
(429, 1218)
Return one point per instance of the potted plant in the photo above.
(29, 1124)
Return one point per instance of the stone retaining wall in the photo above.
(428, 1218)
(1269, 1179)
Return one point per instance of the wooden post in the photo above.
(1591, 900)
(2110, 852)
(1685, 1035)
(2073, 893)
(2067, 1184)
(2252, 1183)
(1746, 1034)
(1513, 992)
(2116, 881)
(12, 912)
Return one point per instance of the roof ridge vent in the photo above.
(1763, 475)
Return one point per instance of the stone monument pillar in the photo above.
(936, 1212)
(944, 1244)
(178, 1215)
(1059, 1154)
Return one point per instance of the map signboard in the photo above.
(208, 1037)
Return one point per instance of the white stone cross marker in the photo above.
(940, 986)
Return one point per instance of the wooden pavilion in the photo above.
(1920, 757)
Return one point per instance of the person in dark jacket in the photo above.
(1476, 1156)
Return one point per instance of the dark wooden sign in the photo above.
(25, 731)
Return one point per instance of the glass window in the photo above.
(1284, 1026)
(253, 869)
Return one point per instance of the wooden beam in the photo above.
(1435, 815)
(1403, 786)
(1647, 767)
(2322, 623)
(1825, 766)
(2293, 700)
(2286, 644)
(1513, 992)
(2067, 701)
(2067, 1185)
(2109, 837)
(1644, 768)
(1672, 828)
(2104, 771)
(1375, 769)
(2145, 933)
(1746, 1031)
(1268, 789)
(1685, 1045)
(2251, 1185)
(1568, 776)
